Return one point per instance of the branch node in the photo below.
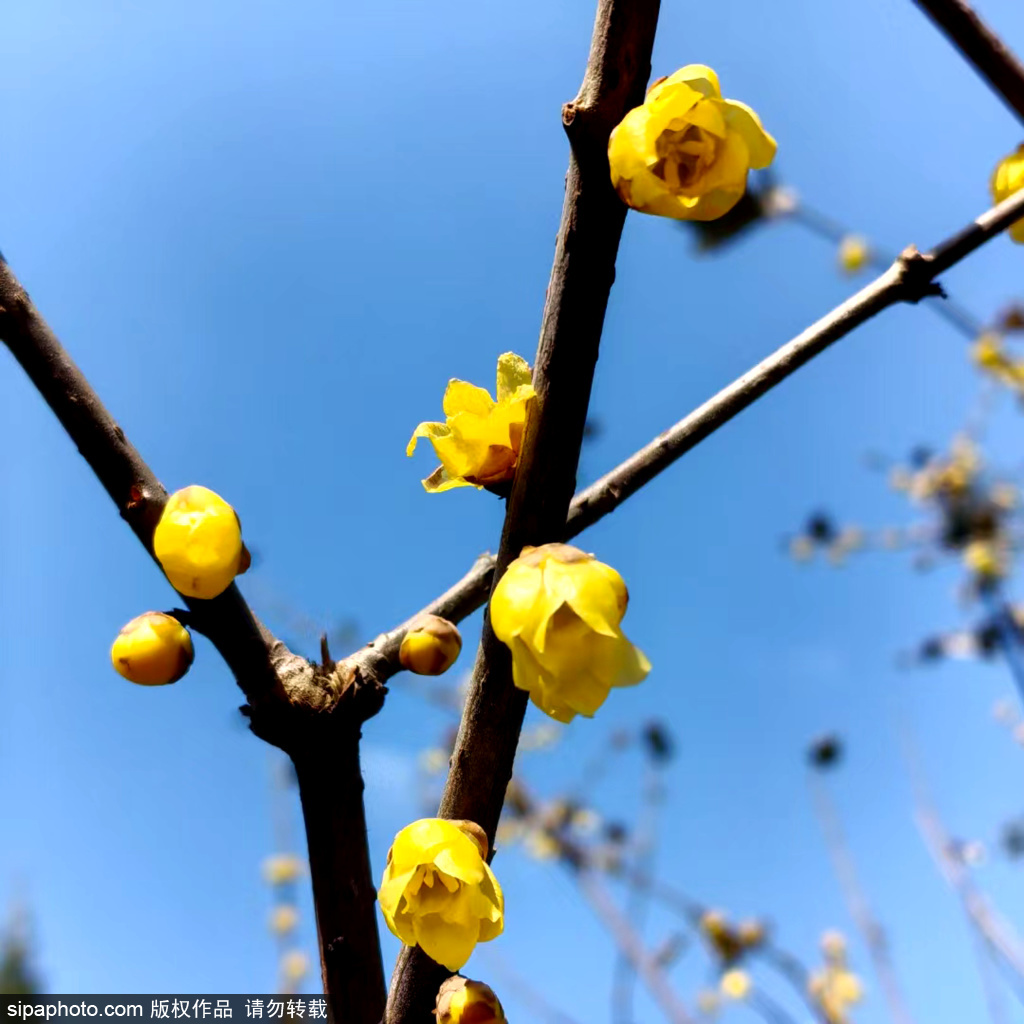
(915, 275)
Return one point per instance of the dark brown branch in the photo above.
(907, 280)
(991, 57)
(313, 713)
(331, 789)
(581, 278)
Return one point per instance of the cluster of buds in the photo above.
(281, 871)
(198, 543)
(834, 988)
(821, 534)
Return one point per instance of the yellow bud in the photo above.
(430, 646)
(153, 649)
(198, 542)
(833, 945)
(294, 965)
(1007, 178)
(750, 933)
(462, 1001)
(854, 254)
(283, 919)
(282, 868)
(736, 984)
(984, 560)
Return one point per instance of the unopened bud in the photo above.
(750, 933)
(153, 649)
(462, 1001)
(430, 646)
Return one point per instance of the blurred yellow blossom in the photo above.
(835, 990)
(558, 610)
(721, 935)
(541, 845)
(294, 965)
(198, 542)
(430, 646)
(462, 1001)
(736, 984)
(1008, 178)
(153, 649)
(434, 761)
(283, 918)
(833, 945)
(985, 559)
(685, 152)
(438, 891)
(478, 444)
(854, 254)
(281, 868)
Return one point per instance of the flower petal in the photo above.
(447, 944)
(513, 372)
(431, 430)
(462, 397)
(747, 124)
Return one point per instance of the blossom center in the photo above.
(684, 155)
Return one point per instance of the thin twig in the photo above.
(991, 57)
(860, 909)
(581, 278)
(907, 280)
(632, 947)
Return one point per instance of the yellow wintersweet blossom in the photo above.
(558, 610)
(438, 891)
(685, 152)
(198, 542)
(478, 444)
(1008, 178)
(988, 561)
(736, 984)
(463, 1001)
(294, 965)
(153, 649)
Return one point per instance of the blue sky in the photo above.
(269, 233)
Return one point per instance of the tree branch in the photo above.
(581, 278)
(313, 713)
(991, 58)
(908, 280)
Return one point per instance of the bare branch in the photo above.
(581, 278)
(991, 58)
(907, 280)
(312, 713)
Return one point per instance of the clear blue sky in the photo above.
(269, 233)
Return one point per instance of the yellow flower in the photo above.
(282, 868)
(720, 934)
(153, 649)
(478, 444)
(835, 989)
(430, 646)
(558, 610)
(198, 542)
(438, 891)
(462, 1001)
(283, 919)
(1008, 178)
(854, 254)
(984, 559)
(686, 151)
(294, 965)
(736, 984)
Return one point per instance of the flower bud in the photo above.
(294, 965)
(198, 542)
(282, 868)
(750, 933)
(430, 646)
(462, 1001)
(736, 984)
(283, 919)
(1008, 178)
(153, 649)
(854, 254)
